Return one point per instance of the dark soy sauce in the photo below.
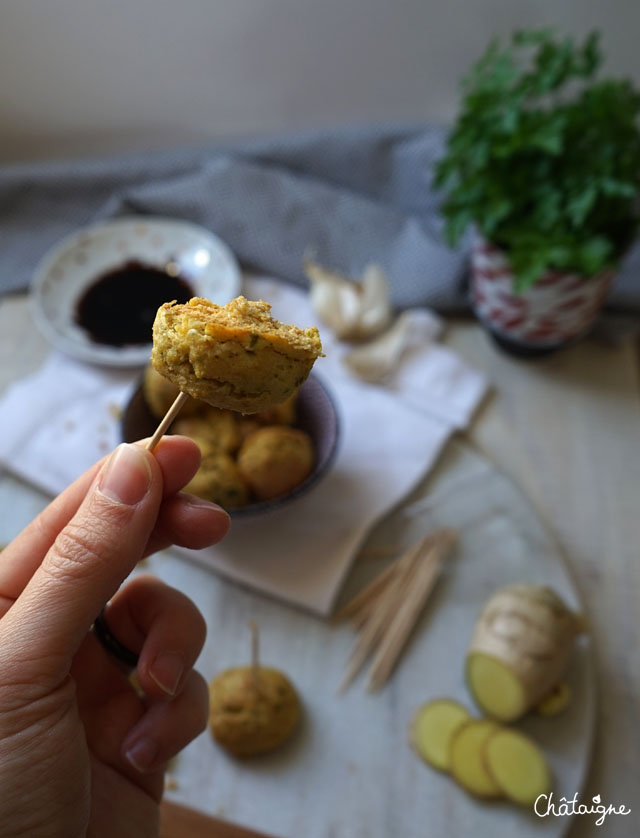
(120, 306)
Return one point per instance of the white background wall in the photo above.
(83, 76)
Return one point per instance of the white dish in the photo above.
(77, 261)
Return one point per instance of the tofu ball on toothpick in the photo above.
(236, 356)
(253, 709)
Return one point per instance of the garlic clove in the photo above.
(376, 305)
(376, 360)
(352, 310)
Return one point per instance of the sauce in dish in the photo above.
(119, 308)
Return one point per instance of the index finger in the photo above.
(178, 458)
(86, 564)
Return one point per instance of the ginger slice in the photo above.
(517, 765)
(432, 729)
(467, 758)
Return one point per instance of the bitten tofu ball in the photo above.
(247, 717)
(235, 356)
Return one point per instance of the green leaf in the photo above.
(594, 255)
(549, 137)
(591, 54)
(617, 188)
(531, 37)
(456, 226)
(495, 212)
(581, 203)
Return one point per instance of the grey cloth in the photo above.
(347, 197)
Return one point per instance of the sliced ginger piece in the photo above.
(517, 766)
(467, 758)
(496, 687)
(432, 729)
(556, 701)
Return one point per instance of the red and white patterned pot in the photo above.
(557, 310)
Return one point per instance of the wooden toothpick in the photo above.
(371, 592)
(169, 416)
(255, 654)
(405, 618)
(359, 608)
(382, 616)
(385, 612)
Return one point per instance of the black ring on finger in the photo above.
(111, 644)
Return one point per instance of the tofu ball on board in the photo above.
(252, 715)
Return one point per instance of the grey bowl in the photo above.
(317, 415)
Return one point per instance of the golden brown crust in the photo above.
(276, 459)
(213, 429)
(235, 356)
(249, 719)
(219, 480)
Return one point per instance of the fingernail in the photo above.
(127, 475)
(198, 503)
(166, 670)
(142, 754)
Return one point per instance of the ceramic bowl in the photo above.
(317, 415)
(73, 265)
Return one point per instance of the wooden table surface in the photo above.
(567, 430)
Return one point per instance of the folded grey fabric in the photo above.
(347, 197)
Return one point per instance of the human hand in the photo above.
(81, 751)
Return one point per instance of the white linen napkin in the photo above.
(57, 422)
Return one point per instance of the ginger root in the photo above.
(519, 649)
(555, 702)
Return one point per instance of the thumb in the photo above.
(88, 561)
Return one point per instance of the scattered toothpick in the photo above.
(405, 618)
(169, 416)
(379, 617)
(387, 609)
(367, 595)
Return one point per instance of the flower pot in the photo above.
(558, 310)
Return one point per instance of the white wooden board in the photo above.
(349, 772)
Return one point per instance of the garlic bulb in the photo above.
(352, 310)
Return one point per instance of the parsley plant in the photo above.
(544, 158)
